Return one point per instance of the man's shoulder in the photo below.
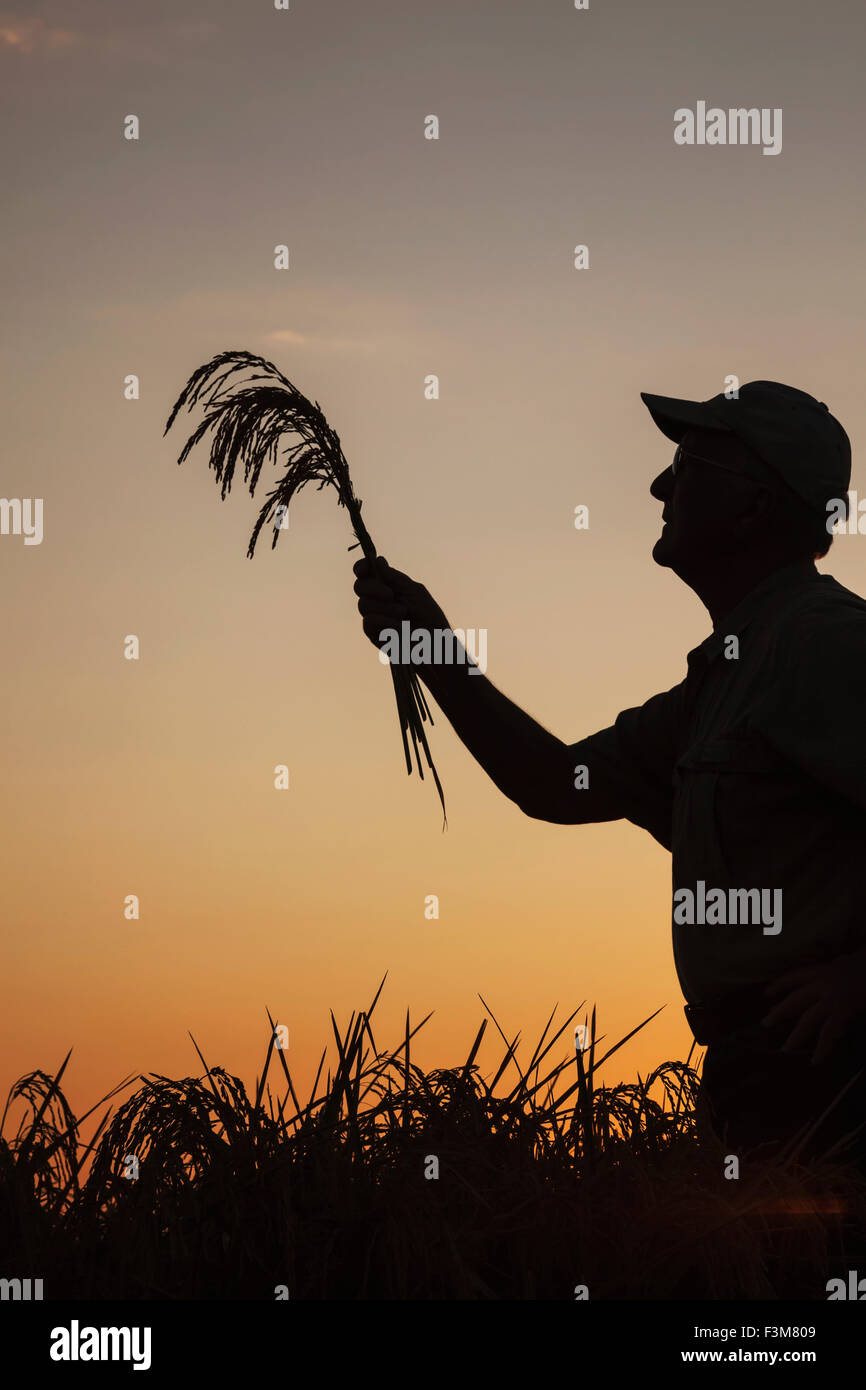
(822, 624)
(825, 601)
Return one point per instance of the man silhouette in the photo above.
(751, 770)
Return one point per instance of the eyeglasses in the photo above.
(682, 454)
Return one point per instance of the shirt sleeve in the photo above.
(630, 765)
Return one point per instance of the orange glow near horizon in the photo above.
(409, 258)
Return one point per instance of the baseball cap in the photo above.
(791, 431)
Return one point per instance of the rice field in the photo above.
(538, 1181)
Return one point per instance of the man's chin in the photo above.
(661, 552)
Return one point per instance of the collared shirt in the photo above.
(752, 772)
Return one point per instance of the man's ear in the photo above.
(760, 505)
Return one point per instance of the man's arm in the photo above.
(528, 764)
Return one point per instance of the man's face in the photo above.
(709, 514)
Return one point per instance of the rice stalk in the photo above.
(250, 406)
(233, 1196)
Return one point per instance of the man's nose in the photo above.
(662, 487)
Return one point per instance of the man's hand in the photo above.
(388, 597)
(530, 766)
(826, 999)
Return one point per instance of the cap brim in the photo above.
(675, 417)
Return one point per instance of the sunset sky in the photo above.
(408, 257)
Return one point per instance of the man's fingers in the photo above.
(386, 617)
(784, 982)
(384, 606)
(375, 624)
(367, 567)
(373, 588)
(805, 1029)
(379, 580)
(793, 1003)
(827, 1039)
(397, 579)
